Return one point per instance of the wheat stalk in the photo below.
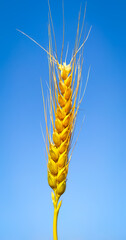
(64, 102)
(63, 98)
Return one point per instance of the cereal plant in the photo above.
(63, 103)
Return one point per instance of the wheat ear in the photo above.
(63, 102)
(63, 108)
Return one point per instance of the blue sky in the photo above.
(94, 204)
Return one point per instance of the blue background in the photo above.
(94, 204)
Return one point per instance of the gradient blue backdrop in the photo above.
(94, 204)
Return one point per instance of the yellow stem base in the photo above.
(55, 225)
(56, 211)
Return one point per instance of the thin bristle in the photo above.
(45, 113)
(37, 44)
(63, 33)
